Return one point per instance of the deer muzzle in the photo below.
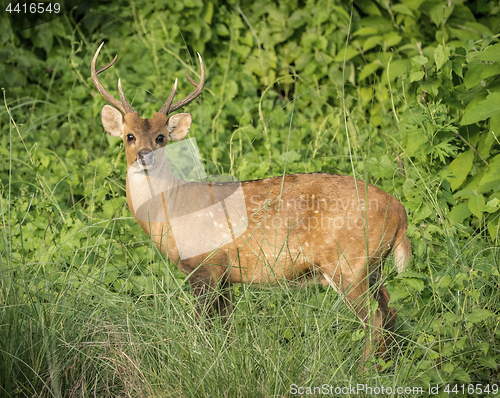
(145, 157)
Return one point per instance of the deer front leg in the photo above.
(212, 297)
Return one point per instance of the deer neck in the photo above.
(149, 190)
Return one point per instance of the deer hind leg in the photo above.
(354, 290)
(386, 320)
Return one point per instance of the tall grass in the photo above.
(61, 340)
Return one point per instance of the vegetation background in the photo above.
(402, 94)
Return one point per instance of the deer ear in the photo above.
(178, 126)
(112, 120)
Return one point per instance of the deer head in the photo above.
(144, 136)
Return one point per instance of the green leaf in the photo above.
(298, 18)
(478, 314)
(231, 90)
(408, 186)
(392, 39)
(411, 274)
(491, 53)
(468, 45)
(209, 12)
(495, 125)
(358, 335)
(493, 226)
(417, 76)
(492, 206)
(369, 69)
(444, 281)
(398, 294)
(493, 172)
(366, 31)
(478, 29)
(346, 54)
(222, 30)
(448, 367)
(43, 37)
(458, 68)
(450, 318)
(444, 149)
(396, 68)
(420, 59)
(459, 213)
(478, 72)
(461, 375)
(423, 212)
(441, 55)
(440, 12)
(482, 110)
(290, 156)
(368, 7)
(402, 9)
(476, 205)
(372, 42)
(488, 361)
(340, 11)
(460, 168)
(487, 140)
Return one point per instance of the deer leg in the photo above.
(224, 302)
(386, 320)
(212, 298)
(380, 322)
(355, 294)
(203, 293)
(203, 285)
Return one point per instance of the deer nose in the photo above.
(145, 157)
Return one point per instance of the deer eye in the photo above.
(130, 139)
(160, 139)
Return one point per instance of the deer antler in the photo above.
(168, 108)
(123, 106)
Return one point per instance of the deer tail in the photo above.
(402, 252)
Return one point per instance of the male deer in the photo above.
(334, 228)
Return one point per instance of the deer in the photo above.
(332, 229)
